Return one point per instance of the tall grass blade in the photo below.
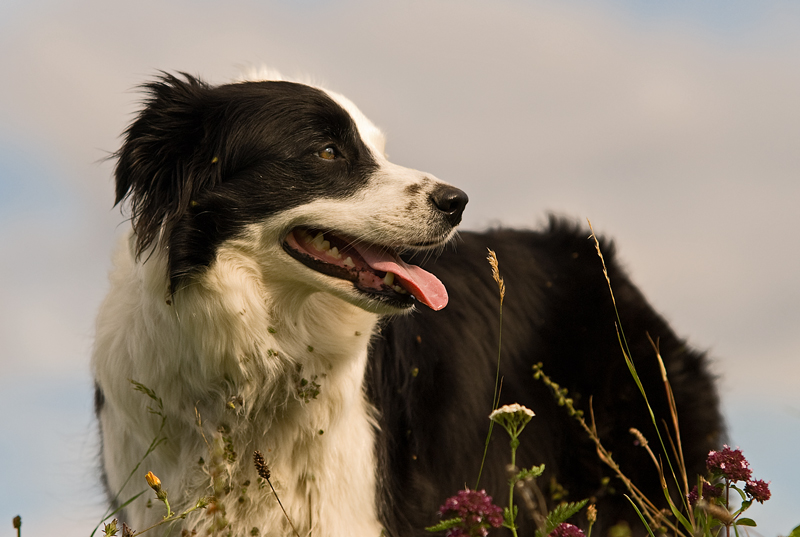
(646, 525)
(632, 368)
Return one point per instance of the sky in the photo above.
(673, 126)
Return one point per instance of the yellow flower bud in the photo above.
(591, 514)
(153, 481)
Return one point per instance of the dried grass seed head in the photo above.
(495, 264)
(261, 465)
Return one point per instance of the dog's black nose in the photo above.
(451, 201)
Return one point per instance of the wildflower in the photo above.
(110, 529)
(711, 491)
(758, 489)
(154, 482)
(476, 511)
(591, 514)
(567, 530)
(513, 418)
(729, 463)
(161, 494)
(692, 497)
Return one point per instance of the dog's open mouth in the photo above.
(376, 270)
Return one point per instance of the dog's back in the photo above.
(433, 373)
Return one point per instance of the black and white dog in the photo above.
(267, 295)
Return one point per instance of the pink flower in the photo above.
(729, 463)
(710, 492)
(758, 489)
(476, 511)
(692, 497)
(567, 530)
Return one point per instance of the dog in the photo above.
(276, 293)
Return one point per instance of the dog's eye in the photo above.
(329, 153)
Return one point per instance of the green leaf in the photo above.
(740, 491)
(532, 473)
(558, 515)
(509, 517)
(646, 525)
(445, 525)
(746, 522)
(682, 519)
(795, 532)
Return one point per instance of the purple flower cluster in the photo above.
(476, 511)
(729, 463)
(567, 530)
(758, 489)
(710, 492)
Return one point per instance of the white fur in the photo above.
(230, 351)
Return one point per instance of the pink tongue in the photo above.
(422, 284)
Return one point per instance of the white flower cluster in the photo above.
(512, 418)
(512, 409)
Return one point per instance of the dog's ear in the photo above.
(167, 157)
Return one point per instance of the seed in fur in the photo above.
(261, 465)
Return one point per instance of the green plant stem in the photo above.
(512, 482)
(201, 504)
(727, 505)
(495, 397)
(647, 507)
(166, 504)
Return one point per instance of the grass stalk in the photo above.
(673, 410)
(501, 286)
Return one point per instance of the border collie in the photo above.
(267, 295)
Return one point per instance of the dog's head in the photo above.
(292, 174)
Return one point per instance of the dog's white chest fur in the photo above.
(267, 231)
(239, 368)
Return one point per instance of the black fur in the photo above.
(432, 378)
(201, 162)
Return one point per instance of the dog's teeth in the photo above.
(335, 253)
(389, 279)
(348, 262)
(318, 240)
(326, 245)
(399, 289)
